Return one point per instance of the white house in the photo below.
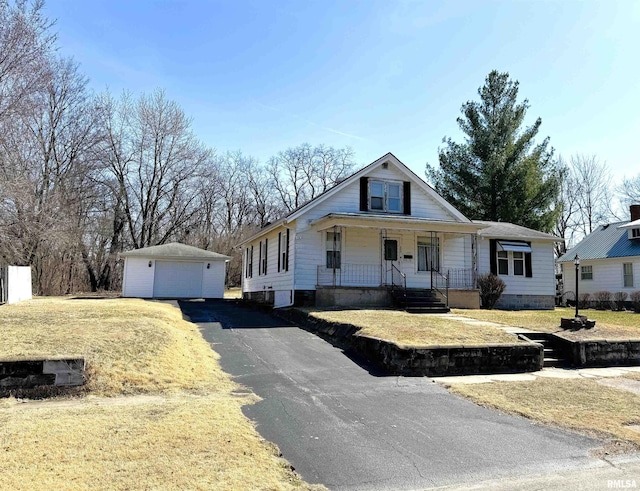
(609, 258)
(381, 232)
(173, 271)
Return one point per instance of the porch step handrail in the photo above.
(398, 281)
(440, 283)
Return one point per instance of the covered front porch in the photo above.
(393, 252)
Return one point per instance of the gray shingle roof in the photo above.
(175, 250)
(606, 241)
(505, 230)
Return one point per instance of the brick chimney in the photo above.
(635, 212)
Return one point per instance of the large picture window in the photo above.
(385, 196)
(428, 254)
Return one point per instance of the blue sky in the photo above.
(378, 76)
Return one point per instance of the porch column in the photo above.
(474, 259)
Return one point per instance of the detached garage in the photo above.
(173, 271)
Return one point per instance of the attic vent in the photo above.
(385, 165)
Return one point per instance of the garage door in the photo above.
(176, 279)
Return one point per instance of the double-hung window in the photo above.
(385, 196)
(503, 263)
(518, 263)
(627, 273)
(586, 272)
(428, 254)
(333, 247)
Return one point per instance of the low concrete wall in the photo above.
(35, 373)
(526, 302)
(464, 299)
(429, 360)
(346, 296)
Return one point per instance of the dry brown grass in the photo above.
(578, 404)
(186, 430)
(130, 345)
(609, 325)
(415, 329)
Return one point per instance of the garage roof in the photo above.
(175, 250)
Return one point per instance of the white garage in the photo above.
(173, 271)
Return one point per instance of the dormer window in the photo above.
(385, 196)
(635, 233)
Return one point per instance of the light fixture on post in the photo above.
(576, 261)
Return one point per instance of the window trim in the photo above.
(385, 198)
(584, 272)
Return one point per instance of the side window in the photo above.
(586, 272)
(503, 262)
(428, 254)
(627, 273)
(518, 263)
(333, 248)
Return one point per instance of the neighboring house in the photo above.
(173, 271)
(609, 258)
(384, 230)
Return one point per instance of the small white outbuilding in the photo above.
(173, 271)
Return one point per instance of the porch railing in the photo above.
(349, 275)
(461, 279)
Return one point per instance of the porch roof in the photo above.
(395, 222)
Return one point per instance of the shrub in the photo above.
(603, 300)
(584, 300)
(491, 288)
(635, 301)
(620, 298)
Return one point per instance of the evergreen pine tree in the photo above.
(499, 173)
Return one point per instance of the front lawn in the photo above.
(415, 330)
(609, 325)
(582, 405)
(157, 412)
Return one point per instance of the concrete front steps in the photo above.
(419, 301)
(553, 356)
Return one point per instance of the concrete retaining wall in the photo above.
(600, 353)
(35, 373)
(430, 360)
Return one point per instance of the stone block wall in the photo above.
(430, 360)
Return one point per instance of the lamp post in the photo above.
(576, 261)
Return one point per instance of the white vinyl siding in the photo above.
(273, 279)
(138, 277)
(542, 281)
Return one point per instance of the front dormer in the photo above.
(634, 233)
(634, 225)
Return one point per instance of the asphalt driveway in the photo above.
(343, 425)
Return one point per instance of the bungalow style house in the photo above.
(384, 234)
(609, 258)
